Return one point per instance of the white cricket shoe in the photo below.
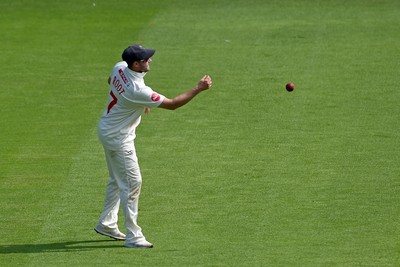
(113, 233)
(139, 244)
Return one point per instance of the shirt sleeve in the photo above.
(147, 97)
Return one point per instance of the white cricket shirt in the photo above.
(127, 100)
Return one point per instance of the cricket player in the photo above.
(128, 99)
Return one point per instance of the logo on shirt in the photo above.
(155, 97)
(121, 73)
(124, 79)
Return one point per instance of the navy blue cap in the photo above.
(136, 52)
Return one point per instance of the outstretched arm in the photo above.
(182, 99)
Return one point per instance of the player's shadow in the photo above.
(60, 247)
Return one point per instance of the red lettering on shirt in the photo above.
(118, 85)
(122, 74)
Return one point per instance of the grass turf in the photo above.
(247, 174)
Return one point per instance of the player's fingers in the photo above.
(206, 81)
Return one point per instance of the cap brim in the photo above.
(149, 53)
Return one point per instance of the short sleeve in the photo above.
(147, 97)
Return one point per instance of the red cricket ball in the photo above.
(290, 87)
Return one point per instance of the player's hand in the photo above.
(146, 110)
(205, 83)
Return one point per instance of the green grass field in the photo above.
(245, 175)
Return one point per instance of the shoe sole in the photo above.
(110, 236)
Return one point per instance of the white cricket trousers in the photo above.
(124, 187)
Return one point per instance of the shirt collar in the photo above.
(137, 75)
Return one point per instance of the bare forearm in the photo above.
(181, 99)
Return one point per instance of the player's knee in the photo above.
(135, 186)
(135, 193)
